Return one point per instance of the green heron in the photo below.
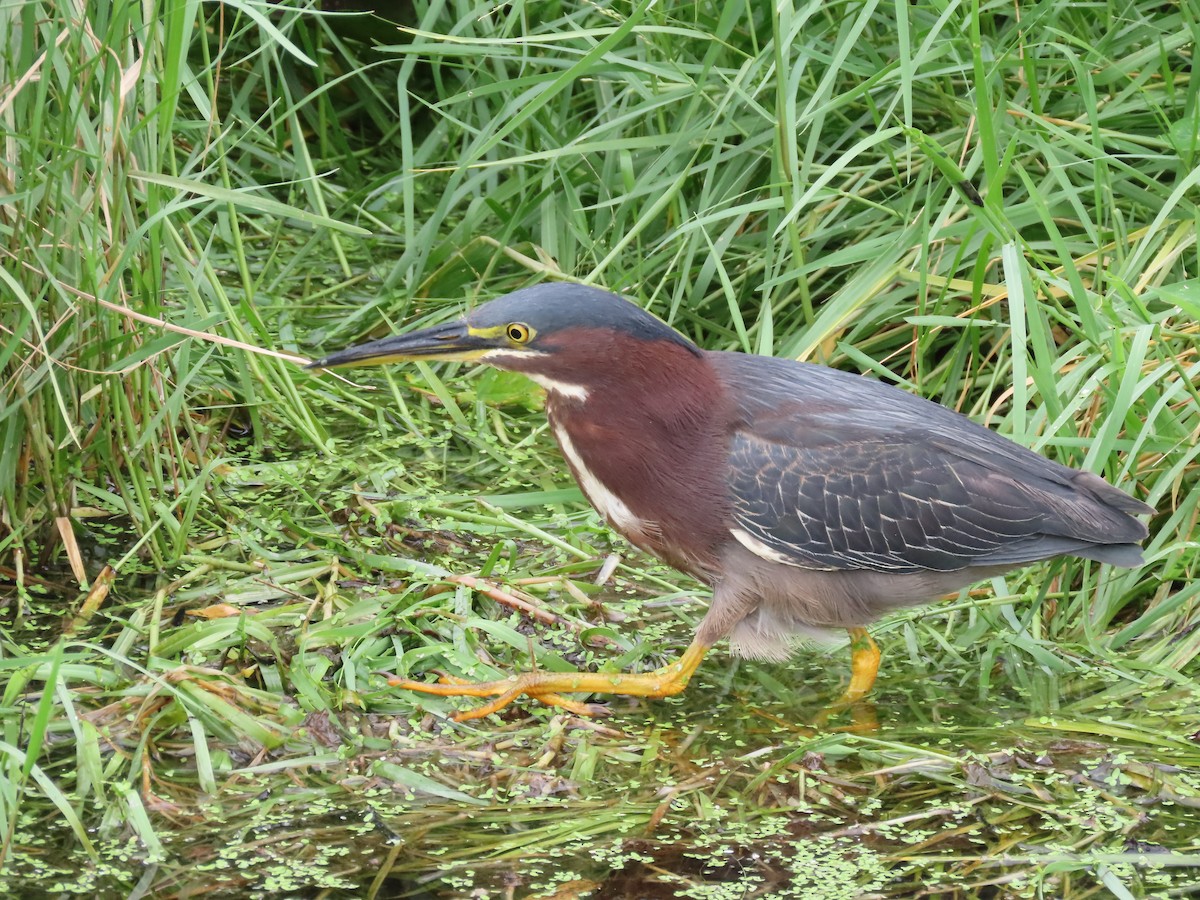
(805, 497)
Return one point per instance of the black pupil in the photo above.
(516, 333)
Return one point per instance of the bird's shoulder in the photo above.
(798, 404)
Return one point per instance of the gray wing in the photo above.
(885, 507)
(834, 474)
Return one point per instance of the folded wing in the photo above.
(832, 471)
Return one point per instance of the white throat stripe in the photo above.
(562, 388)
(509, 353)
(606, 502)
(553, 385)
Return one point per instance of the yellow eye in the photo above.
(518, 332)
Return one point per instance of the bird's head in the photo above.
(563, 336)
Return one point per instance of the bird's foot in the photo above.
(864, 666)
(506, 690)
(548, 687)
(863, 719)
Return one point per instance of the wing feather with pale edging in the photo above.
(834, 471)
(888, 507)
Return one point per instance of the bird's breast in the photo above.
(661, 485)
(606, 502)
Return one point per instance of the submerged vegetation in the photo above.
(211, 560)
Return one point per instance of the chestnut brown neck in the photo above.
(645, 432)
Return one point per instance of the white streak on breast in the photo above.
(606, 502)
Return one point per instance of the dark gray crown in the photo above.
(551, 307)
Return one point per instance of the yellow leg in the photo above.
(548, 687)
(864, 665)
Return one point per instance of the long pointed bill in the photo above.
(452, 341)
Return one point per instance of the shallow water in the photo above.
(723, 792)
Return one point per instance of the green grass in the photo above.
(994, 205)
